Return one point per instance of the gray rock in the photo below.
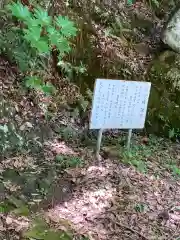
(171, 34)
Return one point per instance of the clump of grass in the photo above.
(174, 169)
(134, 158)
(137, 156)
(68, 161)
(141, 207)
(68, 134)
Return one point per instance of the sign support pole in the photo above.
(129, 139)
(98, 146)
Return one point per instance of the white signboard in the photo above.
(119, 104)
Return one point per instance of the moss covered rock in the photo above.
(164, 73)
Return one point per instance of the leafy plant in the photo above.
(140, 165)
(69, 69)
(5, 207)
(154, 2)
(83, 104)
(129, 2)
(141, 207)
(68, 133)
(41, 31)
(13, 45)
(68, 161)
(175, 170)
(39, 34)
(37, 84)
(41, 230)
(135, 158)
(174, 133)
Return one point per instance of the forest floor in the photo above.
(53, 187)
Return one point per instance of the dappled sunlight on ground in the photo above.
(15, 223)
(111, 201)
(58, 147)
(82, 211)
(90, 200)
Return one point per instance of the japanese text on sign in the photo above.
(119, 104)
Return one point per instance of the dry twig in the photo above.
(131, 229)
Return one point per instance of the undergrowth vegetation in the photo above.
(31, 39)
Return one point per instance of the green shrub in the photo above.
(41, 31)
(30, 40)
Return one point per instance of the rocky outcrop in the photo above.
(171, 34)
(164, 106)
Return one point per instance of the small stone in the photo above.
(9, 221)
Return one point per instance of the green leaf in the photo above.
(52, 31)
(33, 82)
(2, 209)
(42, 46)
(42, 15)
(33, 22)
(176, 170)
(74, 162)
(141, 207)
(15, 202)
(22, 59)
(33, 34)
(171, 133)
(63, 46)
(19, 10)
(48, 88)
(80, 69)
(35, 233)
(22, 211)
(38, 231)
(59, 158)
(56, 235)
(129, 2)
(5, 207)
(84, 105)
(65, 66)
(66, 26)
(54, 36)
(156, 3)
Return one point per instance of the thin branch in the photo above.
(131, 229)
(174, 234)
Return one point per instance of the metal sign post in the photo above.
(98, 146)
(129, 139)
